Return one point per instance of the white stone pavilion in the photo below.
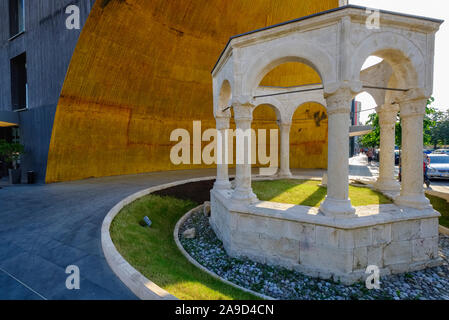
(336, 240)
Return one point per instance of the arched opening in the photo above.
(225, 96)
(264, 121)
(366, 108)
(363, 113)
(282, 79)
(385, 83)
(310, 55)
(403, 56)
(371, 61)
(308, 137)
(290, 74)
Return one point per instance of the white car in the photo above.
(439, 166)
(442, 151)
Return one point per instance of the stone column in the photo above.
(243, 117)
(222, 181)
(284, 171)
(387, 121)
(413, 108)
(337, 201)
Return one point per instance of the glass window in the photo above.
(16, 17)
(19, 83)
(436, 160)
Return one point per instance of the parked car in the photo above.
(429, 151)
(442, 151)
(439, 166)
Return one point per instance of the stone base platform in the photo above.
(395, 239)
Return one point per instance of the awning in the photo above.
(9, 119)
(355, 131)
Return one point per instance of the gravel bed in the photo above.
(281, 283)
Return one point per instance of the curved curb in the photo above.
(199, 266)
(142, 287)
(443, 230)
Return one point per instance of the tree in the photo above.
(372, 139)
(11, 151)
(440, 131)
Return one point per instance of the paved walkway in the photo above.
(45, 228)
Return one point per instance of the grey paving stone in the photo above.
(10, 289)
(46, 227)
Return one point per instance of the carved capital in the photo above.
(413, 103)
(219, 113)
(284, 125)
(222, 123)
(243, 111)
(355, 87)
(339, 101)
(242, 100)
(387, 114)
(415, 94)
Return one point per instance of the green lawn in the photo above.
(442, 207)
(154, 253)
(309, 193)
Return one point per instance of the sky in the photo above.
(438, 9)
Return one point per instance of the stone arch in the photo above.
(265, 116)
(403, 56)
(223, 99)
(305, 52)
(274, 104)
(298, 104)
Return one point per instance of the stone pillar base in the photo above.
(324, 181)
(222, 185)
(417, 201)
(244, 196)
(337, 208)
(387, 185)
(285, 175)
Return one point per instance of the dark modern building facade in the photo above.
(35, 52)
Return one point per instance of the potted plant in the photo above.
(11, 152)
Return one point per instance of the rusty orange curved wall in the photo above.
(142, 68)
(308, 137)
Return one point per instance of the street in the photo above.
(358, 166)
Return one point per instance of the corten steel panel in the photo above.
(308, 137)
(141, 69)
